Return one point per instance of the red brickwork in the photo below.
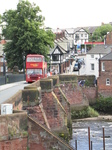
(108, 39)
(42, 139)
(65, 103)
(103, 89)
(36, 113)
(91, 94)
(17, 144)
(54, 112)
(3, 42)
(73, 93)
(13, 131)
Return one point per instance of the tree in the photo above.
(100, 32)
(25, 31)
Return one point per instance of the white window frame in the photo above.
(92, 55)
(107, 81)
(2, 59)
(92, 67)
(103, 66)
(1, 69)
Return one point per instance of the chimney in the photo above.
(3, 41)
(111, 48)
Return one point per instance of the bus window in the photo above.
(34, 71)
(34, 59)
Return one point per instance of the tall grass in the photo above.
(84, 113)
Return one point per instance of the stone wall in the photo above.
(41, 138)
(13, 127)
(55, 112)
(91, 94)
(16, 100)
(48, 103)
(74, 94)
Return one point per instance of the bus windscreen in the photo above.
(34, 71)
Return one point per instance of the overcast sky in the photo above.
(69, 13)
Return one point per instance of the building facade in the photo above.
(105, 75)
(92, 59)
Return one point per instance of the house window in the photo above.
(81, 35)
(55, 58)
(103, 66)
(1, 59)
(85, 35)
(107, 81)
(77, 36)
(92, 56)
(1, 69)
(92, 66)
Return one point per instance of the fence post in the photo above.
(91, 145)
(103, 139)
(89, 138)
(75, 144)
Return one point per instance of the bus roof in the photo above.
(34, 55)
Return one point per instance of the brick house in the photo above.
(92, 59)
(105, 75)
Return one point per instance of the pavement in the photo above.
(6, 86)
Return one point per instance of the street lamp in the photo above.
(4, 70)
(24, 66)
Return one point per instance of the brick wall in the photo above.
(103, 89)
(108, 39)
(42, 139)
(74, 94)
(63, 100)
(52, 112)
(55, 113)
(13, 131)
(91, 94)
(16, 100)
(16, 144)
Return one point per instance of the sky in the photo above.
(69, 13)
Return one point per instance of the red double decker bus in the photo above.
(36, 67)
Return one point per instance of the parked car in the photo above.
(76, 67)
(80, 60)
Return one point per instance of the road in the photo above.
(8, 90)
(82, 70)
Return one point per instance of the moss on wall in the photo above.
(46, 84)
(67, 77)
(31, 97)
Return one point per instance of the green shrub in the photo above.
(84, 113)
(64, 136)
(103, 105)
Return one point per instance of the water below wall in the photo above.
(80, 135)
